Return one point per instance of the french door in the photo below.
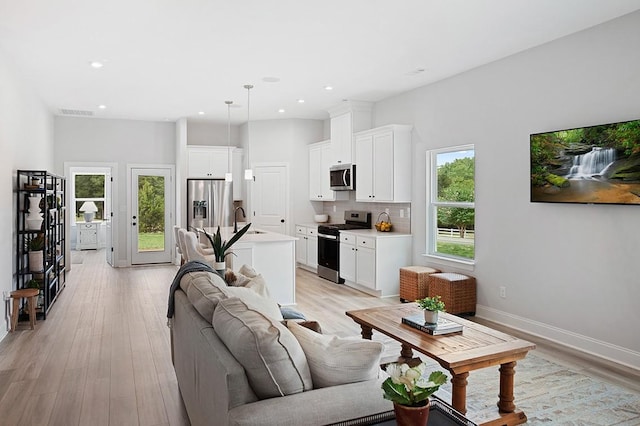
(150, 219)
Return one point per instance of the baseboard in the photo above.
(606, 352)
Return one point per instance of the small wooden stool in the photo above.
(26, 293)
(413, 282)
(458, 292)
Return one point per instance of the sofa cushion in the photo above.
(334, 360)
(202, 291)
(271, 356)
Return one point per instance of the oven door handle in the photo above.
(328, 237)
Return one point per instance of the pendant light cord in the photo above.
(248, 87)
(228, 135)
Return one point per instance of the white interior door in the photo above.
(151, 229)
(270, 199)
(108, 217)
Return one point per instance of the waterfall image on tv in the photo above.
(595, 165)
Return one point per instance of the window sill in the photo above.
(467, 265)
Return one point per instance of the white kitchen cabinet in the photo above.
(320, 159)
(87, 235)
(307, 247)
(384, 157)
(212, 162)
(347, 118)
(371, 262)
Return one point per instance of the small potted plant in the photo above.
(409, 388)
(431, 307)
(35, 247)
(221, 248)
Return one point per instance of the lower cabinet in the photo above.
(307, 247)
(87, 236)
(371, 262)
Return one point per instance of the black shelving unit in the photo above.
(41, 194)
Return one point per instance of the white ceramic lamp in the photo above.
(89, 209)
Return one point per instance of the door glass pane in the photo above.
(151, 213)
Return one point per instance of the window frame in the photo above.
(432, 204)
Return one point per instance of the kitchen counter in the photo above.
(375, 233)
(271, 254)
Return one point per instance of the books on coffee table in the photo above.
(444, 326)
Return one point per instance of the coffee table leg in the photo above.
(505, 404)
(459, 390)
(366, 332)
(406, 352)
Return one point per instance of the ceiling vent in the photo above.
(80, 112)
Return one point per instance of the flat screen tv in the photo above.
(593, 165)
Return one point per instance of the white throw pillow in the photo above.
(336, 361)
(267, 306)
(271, 356)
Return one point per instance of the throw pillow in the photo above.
(290, 313)
(248, 271)
(271, 356)
(334, 360)
(201, 291)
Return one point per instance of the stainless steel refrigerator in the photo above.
(209, 203)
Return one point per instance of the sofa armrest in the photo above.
(316, 407)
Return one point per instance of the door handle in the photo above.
(134, 224)
(281, 220)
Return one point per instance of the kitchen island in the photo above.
(270, 254)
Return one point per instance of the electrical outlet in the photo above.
(503, 292)
(6, 295)
(401, 213)
(334, 208)
(386, 210)
(408, 212)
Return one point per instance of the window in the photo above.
(451, 203)
(88, 187)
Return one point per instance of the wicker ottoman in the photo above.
(413, 282)
(458, 292)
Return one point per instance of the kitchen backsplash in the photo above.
(400, 224)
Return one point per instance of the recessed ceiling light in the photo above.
(102, 106)
(96, 64)
(200, 112)
(281, 110)
(328, 87)
(271, 79)
(300, 101)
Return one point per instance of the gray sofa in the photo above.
(216, 390)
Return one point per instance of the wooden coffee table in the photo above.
(475, 347)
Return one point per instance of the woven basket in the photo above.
(458, 292)
(413, 282)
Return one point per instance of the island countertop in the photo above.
(252, 236)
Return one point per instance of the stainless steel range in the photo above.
(329, 243)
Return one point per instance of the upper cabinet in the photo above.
(320, 159)
(383, 160)
(347, 118)
(212, 162)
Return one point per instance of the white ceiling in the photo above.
(169, 59)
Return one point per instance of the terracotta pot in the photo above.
(431, 316)
(411, 416)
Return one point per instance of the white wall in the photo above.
(26, 142)
(115, 141)
(571, 272)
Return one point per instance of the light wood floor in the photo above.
(102, 356)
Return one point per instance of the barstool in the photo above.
(26, 293)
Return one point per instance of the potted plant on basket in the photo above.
(431, 307)
(409, 389)
(220, 248)
(35, 247)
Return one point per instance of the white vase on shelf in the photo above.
(34, 218)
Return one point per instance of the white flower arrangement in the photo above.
(409, 385)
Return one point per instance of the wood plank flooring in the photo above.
(102, 356)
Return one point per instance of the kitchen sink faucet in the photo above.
(235, 218)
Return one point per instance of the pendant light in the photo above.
(248, 173)
(228, 177)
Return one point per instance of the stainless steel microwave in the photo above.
(342, 177)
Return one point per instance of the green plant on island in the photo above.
(220, 247)
(431, 304)
(410, 386)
